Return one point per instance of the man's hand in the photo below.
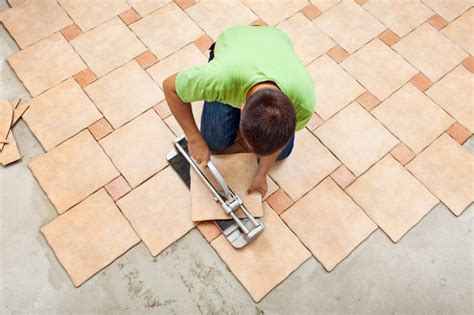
(199, 150)
(259, 184)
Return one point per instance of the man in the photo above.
(254, 82)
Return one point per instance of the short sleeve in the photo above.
(199, 83)
(302, 118)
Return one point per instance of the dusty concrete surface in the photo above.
(429, 271)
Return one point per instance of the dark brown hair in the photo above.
(268, 120)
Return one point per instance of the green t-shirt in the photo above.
(243, 56)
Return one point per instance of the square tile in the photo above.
(89, 14)
(454, 93)
(445, 167)
(184, 58)
(274, 12)
(388, 37)
(379, 68)
(329, 78)
(468, 63)
(338, 54)
(146, 60)
(34, 20)
(413, 117)
(213, 16)
(402, 17)
(238, 171)
(279, 201)
(100, 129)
(46, 63)
(268, 260)
(303, 35)
(347, 135)
(204, 42)
(449, 9)
(421, 82)
(121, 105)
(307, 165)
(460, 31)
(437, 22)
(159, 210)
(402, 154)
(345, 16)
(154, 30)
(80, 168)
(392, 197)
(130, 16)
(117, 188)
(311, 12)
(430, 51)
(85, 77)
(70, 32)
(328, 223)
(343, 177)
(108, 46)
(145, 7)
(89, 237)
(324, 5)
(459, 133)
(139, 148)
(368, 101)
(60, 113)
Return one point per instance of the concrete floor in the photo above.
(429, 271)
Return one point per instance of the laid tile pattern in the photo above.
(449, 9)
(145, 7)
(460, 31)
(274, 12)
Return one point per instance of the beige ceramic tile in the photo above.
(392, 197)
(413, 117)
(9, 153)
(159, 210)
(329, 78)
(34, 20)
(89, 236)
(345, 16)
(238, 171)
(304, 34)
(329, 223)
(173, 123)
(307, 165)
(89, 14)
(271, 187)
(108, 46)
(455, 94)
(430, 51)
(119, 104)
(154, 30)
(273, 12)
(46, 63)
(213, 16)
(6, 118)
(60, 113)
(449, 10)
(356, 138)
(379, 68)
(139, 148)
(324, 5)
(184, 58)
(268, 260)
(460, 31)
(145, 7)
(400, 16)
(446, 168)
(73, 170)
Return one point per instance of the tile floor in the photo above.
(394, 104)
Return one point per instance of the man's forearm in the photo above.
(266, 162)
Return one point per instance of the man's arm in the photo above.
(260, 180)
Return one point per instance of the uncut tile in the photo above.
(329, 223)
(89, 14)
(413, 117)
(392, 197)
(356, 138)
(108, 46)
(303, 34)
(139, 148)
(34, 20)
(238, 171)
(80, 168)
(45, 63)
(403, 17)
(449, 10)
(145, 7)
(184, 58)
(273, 12)
(446, 168)
(214, 17)
(154, 30)
(324, 5)
(349, 25)
(328, 79)
(379, 68)
(307, 165)
(268, 260)
(159, 210)
(118, 104)
(460, 31)
(454, 93)
(60, 113)
(430, 51)
(89, 236)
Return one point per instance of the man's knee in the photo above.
(216, 143)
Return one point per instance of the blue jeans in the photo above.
(220, 124)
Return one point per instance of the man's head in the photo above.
(268, 120)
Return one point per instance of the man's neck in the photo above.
(261, 85)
